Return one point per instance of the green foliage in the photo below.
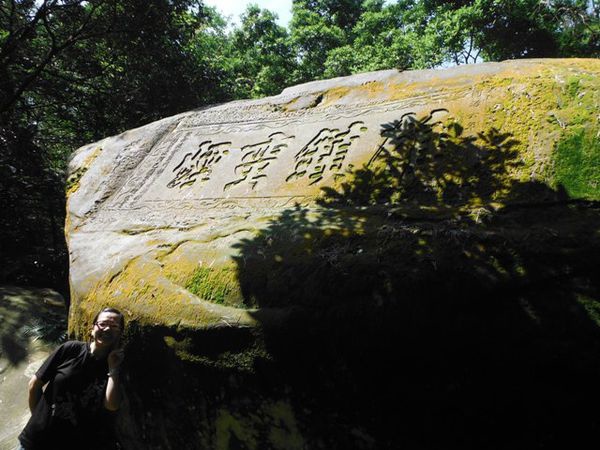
(497, 30)
(579, 34)
(313, 36)
(262, 55)
(427, 33)
(382, 40)
(210, 50)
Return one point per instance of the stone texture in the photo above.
(271, 255)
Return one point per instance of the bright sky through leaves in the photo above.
(234, 8)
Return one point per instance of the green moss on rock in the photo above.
(73, 181)
(577, 164)
(215, 285)
(276, 419)
(591, 306)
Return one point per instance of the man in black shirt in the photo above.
(82, 389)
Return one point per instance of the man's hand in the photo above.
(35, 392)
(115, 358)
(112, 399)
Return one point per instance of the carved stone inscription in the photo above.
(257, 157)
(259, 161)
(325, 152)
(198, 166)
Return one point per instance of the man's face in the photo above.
(107, 329)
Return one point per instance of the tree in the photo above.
(264, 62)
(74, 71)
(382, 39)
(317, 27)
(35, 91)
(578, 27)
(510, 29)
(210, 49)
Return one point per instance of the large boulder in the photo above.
(387, 260)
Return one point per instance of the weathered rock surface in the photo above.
(278, 258)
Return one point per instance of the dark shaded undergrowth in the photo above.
(33, 251)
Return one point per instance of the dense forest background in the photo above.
(75, 71)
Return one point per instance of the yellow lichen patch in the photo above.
(536, 109)
(181, 260)
(454, 87)
(145, 295)
(335, 94)
(190, 348)
(178, 263)
(530, 108)
(442, 86)
(74, 178)
(591, 306)
(374, 89)
(367, 91)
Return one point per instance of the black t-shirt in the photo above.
(71, 413)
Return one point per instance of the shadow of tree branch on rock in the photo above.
(419, 164)
(440, 300)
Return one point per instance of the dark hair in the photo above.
(114, 311)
